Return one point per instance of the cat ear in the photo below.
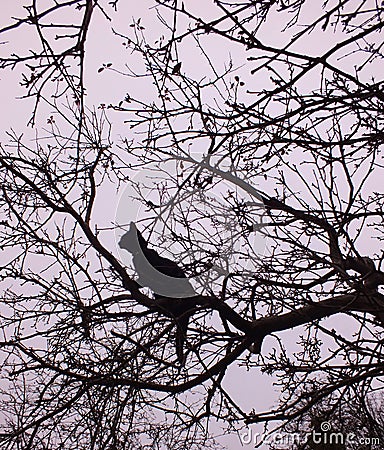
(142, 242)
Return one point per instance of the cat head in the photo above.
(133, 240)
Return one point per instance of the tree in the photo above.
(350, 421)
(257, 173)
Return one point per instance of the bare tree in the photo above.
(350, 421)
(259, 174)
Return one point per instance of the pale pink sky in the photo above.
(251, 389)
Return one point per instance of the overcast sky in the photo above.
(251, 389)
